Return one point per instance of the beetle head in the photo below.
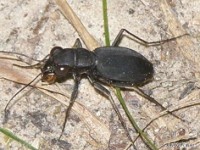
(48, 72)
(51, 70)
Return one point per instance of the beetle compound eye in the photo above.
(49, 68)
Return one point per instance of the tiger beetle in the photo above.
(113, 65)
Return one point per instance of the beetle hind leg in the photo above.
(149, 98)
(140, 40)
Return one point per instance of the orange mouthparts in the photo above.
(50, 78)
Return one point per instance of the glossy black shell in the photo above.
(112, 65)
(119, 64)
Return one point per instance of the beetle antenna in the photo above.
(6, 110)
(37, 65)
(19, 54)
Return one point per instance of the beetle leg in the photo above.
(72, 100)
(141, 93)
(98, 86)
(77, 44)
(141, 41)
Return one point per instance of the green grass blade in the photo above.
(14, 137)
(134, 124)
(106, 28)
(118, 93)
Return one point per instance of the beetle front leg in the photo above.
(72, 100)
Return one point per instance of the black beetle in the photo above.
(116, 66)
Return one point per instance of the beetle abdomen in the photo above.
(122, 65)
